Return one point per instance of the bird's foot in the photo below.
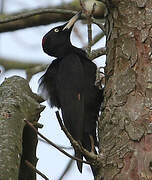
(92, 144)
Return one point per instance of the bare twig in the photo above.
(54, 145)
(83, 7)
(97, 38)
(89, 24)
(69, 165)
(72, 140)
(98, 52)
(35, 170)
(36, 12)
(100, 24)
(60, 146)
(89, 16)
(93, 157)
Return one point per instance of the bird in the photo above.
(69, 85)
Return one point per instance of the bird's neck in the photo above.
(69, 49)
(64, 50)
(80, 52)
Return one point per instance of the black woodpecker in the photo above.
(69, 84)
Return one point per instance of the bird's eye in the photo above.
(56, 30)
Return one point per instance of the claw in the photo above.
(92, 144)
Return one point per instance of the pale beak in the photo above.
(72, 21)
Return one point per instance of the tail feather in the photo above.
(94, 170)
(79, 155)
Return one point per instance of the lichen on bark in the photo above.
(17, 103)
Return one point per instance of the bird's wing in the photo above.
(70, 82)
(70, 87)
(47, 84)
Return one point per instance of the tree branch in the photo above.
(69, 165)
(30, 165)
(97, 38)
(35, 12)
(37, 17)
(97, 52)
(99, 23)
(60, 146)
(16, 64)
(54, 145)
(89, 25)
(94, 159)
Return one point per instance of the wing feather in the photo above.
(47, 84)
(70, 87)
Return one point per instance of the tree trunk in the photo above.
(125, 128)
(17, 141)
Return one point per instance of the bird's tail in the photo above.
(79, 155)
(94, 170)
(89, 144)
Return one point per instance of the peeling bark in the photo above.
(17, 141)
(125, 128)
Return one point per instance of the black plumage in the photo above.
(69, 84)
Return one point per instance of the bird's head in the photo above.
(57, 41)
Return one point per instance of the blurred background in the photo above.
(25, 46)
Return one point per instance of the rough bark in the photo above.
(125, 127)
(17, 141)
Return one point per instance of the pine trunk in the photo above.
(125, 128)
